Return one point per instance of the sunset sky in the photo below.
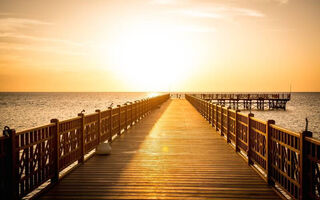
(160, 45)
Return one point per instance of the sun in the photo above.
(151, 57)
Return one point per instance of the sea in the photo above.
(24, 110)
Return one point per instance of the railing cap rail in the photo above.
(35, 128)
(285, 130)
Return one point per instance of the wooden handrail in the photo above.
(284, 158)
(32, 157)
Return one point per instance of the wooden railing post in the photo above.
(211, 114)
(119, 117)
(148, 105)
(228, 135)
(143, 107)
(207, 110)
(143, 103)
(249, 138)
(268, 149)
(131, 121)
(55, 146)
(110, 126)
(303, 177)
(236, 131)
(137, 111)
(216, 116)
(99, 126)
(83, 139)
(14, 184)
(221, 120)
(126, 118)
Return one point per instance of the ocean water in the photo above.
(27, 110)
(301, 106)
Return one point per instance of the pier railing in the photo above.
(247, 101)
(31, 158)
(287, 160)
(245, 96)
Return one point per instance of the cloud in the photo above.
(282, 1)
(172, 2)
(196, 29)
(163, 2)
(5, 13)
(14, 38)
(198, 13)
(221, 12)
(245, 12)
(12, 24)
(47, 49)
(23, 37)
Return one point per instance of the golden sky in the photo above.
(160, 45)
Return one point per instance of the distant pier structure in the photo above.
(248, 101)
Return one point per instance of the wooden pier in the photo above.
(169, 155)
(248, 101)
(171, 152)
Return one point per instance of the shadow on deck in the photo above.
(172, 154)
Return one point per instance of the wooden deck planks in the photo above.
(171, 154)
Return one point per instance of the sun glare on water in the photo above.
(151, 58)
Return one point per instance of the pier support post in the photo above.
(303, 160)
(56, 154)
(268, 149)
(249, 138)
